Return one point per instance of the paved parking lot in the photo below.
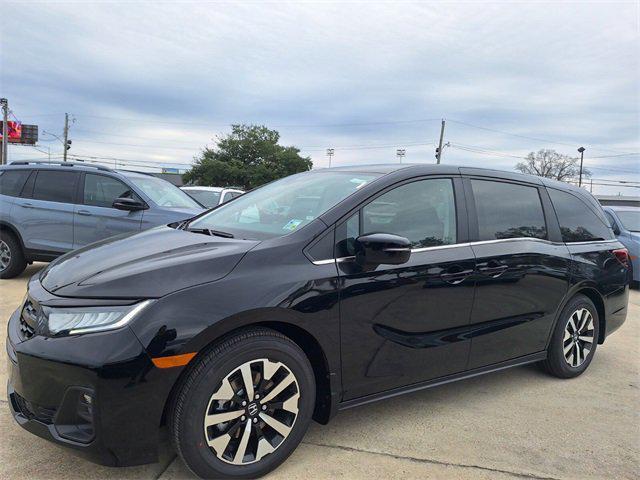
(519, 423)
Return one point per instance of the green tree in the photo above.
(247, 157)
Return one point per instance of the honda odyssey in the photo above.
(310, 295)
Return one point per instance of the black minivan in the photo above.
(313, 294)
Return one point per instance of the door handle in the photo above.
(493, 269)
(84, 212)
(455, 275)
(26, 205)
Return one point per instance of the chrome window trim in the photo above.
(471, 244)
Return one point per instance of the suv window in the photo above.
(101, 191)
(422, 211)
(508, 210)
(12, 181)
(55, 186)
(578, 223)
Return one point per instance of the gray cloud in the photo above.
(566, 72)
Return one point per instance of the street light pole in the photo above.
(329, 154)
(5, 130)
(581, 150)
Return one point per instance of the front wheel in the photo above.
(574, 339)
(244, 406)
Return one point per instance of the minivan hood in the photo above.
(147, 264)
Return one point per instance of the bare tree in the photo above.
(551, 164)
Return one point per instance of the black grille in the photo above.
(29, 319)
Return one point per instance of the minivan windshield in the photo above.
(283, 206)
(163, 193)
(630, 219)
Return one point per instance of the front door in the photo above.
(402, 324)
(96, 219)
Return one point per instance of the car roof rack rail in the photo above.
(60, 163)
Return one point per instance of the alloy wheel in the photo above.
(5, 255)
(578, 337)
(252, 412)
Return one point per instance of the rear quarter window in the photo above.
(12, 181)
(578, 222)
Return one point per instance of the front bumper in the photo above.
(48, 380)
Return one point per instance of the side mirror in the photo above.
(382, 249)
(129, 204)
(616, 230)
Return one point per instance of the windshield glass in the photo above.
(283, 206)
(207, 198)
(630, 219)
(163, 193)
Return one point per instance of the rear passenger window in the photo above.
(55, 186)
(12, 181)
(422, 211)
(507, 210)
(101, 191)
(578, 223)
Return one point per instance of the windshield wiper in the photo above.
(210, 232)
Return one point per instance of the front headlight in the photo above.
(72, 321)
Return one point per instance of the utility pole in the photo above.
(400, 153)
(330, 155)
(5, 130)
(66, 134)
(581, 150)
(439, 151)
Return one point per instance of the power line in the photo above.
(536, 139)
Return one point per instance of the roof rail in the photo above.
(64, 164)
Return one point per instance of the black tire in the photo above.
(17, 262)
(556, 363)
(206, 376)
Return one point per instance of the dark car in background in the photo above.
(313, 294)
(49, 209)
(625, 222)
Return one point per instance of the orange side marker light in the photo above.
(173, 360)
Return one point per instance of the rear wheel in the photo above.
(574, 340)
(12, 261)
(244, 407)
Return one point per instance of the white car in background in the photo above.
(210, 197)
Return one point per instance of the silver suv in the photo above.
(49, 209)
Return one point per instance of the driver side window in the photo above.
(101, 191)
(423, 212)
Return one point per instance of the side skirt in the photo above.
(414, 387)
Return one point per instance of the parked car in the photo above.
(239, 326)
(212, 196)
(49, 209)
(625, 222)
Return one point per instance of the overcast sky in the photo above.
(156, 81)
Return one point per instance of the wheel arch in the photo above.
(7, 227)
(592, 294)
(308, 343)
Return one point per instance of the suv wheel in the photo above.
(12, 261)
(574, 340)
(244, 406)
